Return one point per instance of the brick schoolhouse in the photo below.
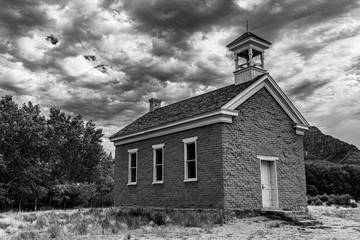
(238, 147)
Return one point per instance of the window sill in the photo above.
(191, 180)
(132, 184)
(154, 183)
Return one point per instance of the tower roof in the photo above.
(245, 36)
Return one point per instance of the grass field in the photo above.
(111, 224)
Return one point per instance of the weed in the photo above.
(133, 222)
(28, 235)
(4, 225)
(115, 229)
(81, 228)
(341, 214)
(55, 231)
(314, 201)
(41, 222)
(29, 218)
(159, 219)
(260, 233)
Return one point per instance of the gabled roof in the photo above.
(209, 108)
(187, 108)
(246, 35)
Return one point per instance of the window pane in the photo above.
(190, 148)
(159, 173)
(158, 157)
(191, 169)
(132, 159)
(133, 175)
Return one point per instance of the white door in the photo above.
(268, 184)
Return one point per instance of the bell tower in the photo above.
(249, 56)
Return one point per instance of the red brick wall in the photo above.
(262, 128)
(206, 192)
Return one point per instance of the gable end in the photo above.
(267, 82)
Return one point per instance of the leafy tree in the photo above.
(332, 179)
(38, 154)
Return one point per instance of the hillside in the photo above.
(321, 147)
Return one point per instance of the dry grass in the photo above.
(92, 222)
(111, 224)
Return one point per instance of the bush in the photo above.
(74, 194)
(318, 202)
(324, 197)
(353, 205)
(159, 219)
(343, 200)
(314, 201)
(340, 200)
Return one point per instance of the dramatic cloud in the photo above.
(104, 58)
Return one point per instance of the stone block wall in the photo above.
(228, 169)
(262, 128)
(207, 192)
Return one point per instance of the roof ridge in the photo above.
(186, 108)
(186, 99)
(245, 35)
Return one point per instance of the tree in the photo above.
(38, 154)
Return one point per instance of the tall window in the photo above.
(190, 159)
(132, 175)
(158, 169)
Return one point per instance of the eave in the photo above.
(223, 115)
(217, 116)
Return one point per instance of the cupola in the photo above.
(249, 56)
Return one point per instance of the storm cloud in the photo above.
(103, 59)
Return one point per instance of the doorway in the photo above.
(269, 184)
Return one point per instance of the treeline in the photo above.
(51, 162)
(332, 179)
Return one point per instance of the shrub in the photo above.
(74, 194)
(324, 197)
(314, 201)
(318, 202)
(353, 205)
(159, 219)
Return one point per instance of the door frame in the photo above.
(270, 159)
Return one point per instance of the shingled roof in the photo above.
(246, 35)
(187, 108)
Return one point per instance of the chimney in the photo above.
(154, 104)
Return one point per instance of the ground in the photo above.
(337, 223)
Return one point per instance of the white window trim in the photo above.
(132, 151)
(155, 147)
(267, 158)
(186, 141)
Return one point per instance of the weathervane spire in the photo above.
(247, 26)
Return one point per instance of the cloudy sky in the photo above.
(104, 59)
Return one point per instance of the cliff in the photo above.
(321, 147)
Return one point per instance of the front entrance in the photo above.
(269, 184)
